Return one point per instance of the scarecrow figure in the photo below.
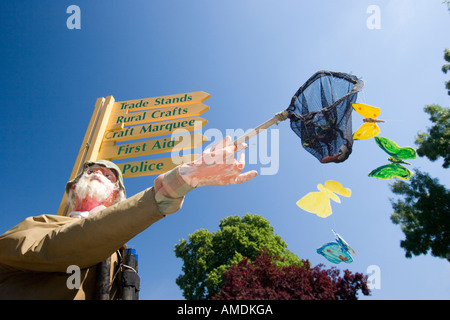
(35, 254)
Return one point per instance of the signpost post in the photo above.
(120, 122)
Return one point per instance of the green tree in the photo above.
(436, 142)
(424, 215)
(207, 255)
(446, 66)
(447, 2)
(424, 212)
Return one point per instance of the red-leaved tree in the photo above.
(262, 279)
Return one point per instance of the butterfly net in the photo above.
(320, 114)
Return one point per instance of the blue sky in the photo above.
(251, 56)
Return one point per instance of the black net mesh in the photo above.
(320, 114)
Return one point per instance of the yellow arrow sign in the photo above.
(154, 129)
(149, 167)
(163, 101)
(161, 114)
(148, 147)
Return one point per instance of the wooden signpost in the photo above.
(114, 124)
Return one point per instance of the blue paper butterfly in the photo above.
(338, 251)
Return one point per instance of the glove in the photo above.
(217, 166)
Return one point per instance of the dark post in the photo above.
(103, 279)
(130, 277)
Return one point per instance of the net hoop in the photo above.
(320, 114)
(358, 86)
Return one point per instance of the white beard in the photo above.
(98, 190)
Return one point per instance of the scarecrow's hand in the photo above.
(217, 166)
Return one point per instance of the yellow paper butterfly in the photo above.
(319, 202)
(369, 128)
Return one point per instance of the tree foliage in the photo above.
(207, 255)
(436, 142)
(262, 279)
(423, 214)
(446, 67)
(447, 2)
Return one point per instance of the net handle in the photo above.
(280, 116)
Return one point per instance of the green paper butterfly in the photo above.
(397, 155)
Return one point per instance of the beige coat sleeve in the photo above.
(52, 243)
